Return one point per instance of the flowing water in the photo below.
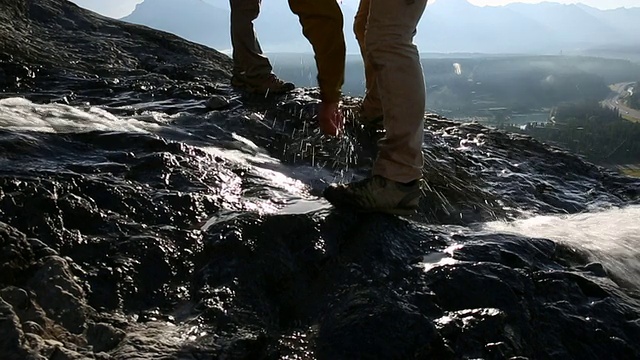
(610, 237)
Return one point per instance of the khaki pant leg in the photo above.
(248, 59)
(372, 107)
(322, 24)
(396, 62)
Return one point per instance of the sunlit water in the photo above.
(611, 237)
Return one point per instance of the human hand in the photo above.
(330, 118)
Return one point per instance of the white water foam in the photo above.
(19, 114)
(611, 237)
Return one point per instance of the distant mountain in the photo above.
(279, 29)
(194, 20)
(578, 26)
(458, 26)
(447, 26)
(626, 20)
(207, 22)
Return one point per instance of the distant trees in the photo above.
(520, 83)
(598, 133)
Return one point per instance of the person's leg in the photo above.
(248, 59)
(322, 24)
(394, 186)
(371, 106)
(252, 70)
(400, 80)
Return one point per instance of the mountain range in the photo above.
(448, 26)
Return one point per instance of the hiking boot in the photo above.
(264, 85)
(376, 194)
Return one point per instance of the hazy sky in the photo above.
(120, 8)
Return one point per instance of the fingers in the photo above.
(330, 119)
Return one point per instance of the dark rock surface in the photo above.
(158, 225)
(59, 51)
(12, 343)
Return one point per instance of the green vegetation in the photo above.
(600, 134)
(634, 172)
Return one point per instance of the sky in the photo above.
(120, 8)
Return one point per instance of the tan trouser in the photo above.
(394, 83)
(248, 59)
(322, 24)
(371, 105)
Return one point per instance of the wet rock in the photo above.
(12, 339)
(81, 213)
(474, 283)
(589, 339)
(39, 346)
(371, 326)
(3, 79)
(40, 249)
(217, 102)
(104, 337)
(43, 217)
(16, 256)
(596, 269)
(60, 296)
(16, 76)
(480, 333)
(246, 345)
(16, 297)
(61, 353)
(160, 340)
(32, 328)
(25, 307)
